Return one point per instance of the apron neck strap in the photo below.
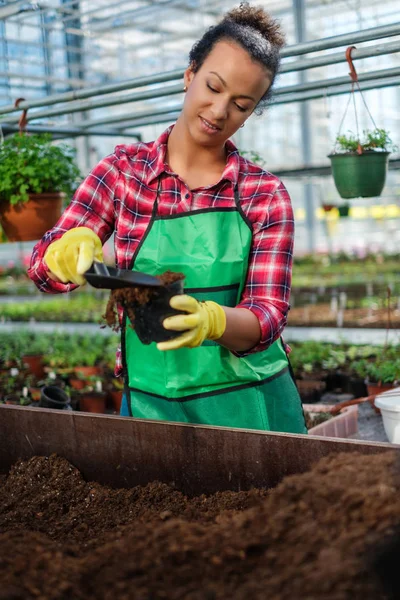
(155, 205)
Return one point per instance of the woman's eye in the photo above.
(240, 108)
(212, 89)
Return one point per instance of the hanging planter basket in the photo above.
(359, 175)
(359, 165)
(35, 178)
(28, 221)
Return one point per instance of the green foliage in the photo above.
(376, 139)
(335, 360)
(253, 156)
(308, 356)
(377, 365)
(31, 164)
(62, 350)
(366, 361)
(78, 308)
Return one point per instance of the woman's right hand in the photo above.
(69, 257)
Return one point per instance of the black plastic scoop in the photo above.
(110, 278)
(148, 316)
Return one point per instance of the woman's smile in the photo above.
(209, 127)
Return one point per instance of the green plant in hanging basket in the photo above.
(35, 177)
(31, 164)
(359, 166)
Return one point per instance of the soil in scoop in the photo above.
(312, 537)
(130, 297)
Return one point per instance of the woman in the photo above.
(189, 202)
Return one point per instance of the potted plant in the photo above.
(344, 210)
(92, 398)
(359, 167)
(34, 352)
(35, 177)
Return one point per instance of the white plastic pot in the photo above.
(389, 403)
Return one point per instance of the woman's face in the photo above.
(222, 94)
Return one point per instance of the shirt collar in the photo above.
(156, 160)
(157, 163)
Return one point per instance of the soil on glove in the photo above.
(127, 298)
(314, 536)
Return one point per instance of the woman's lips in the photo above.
(209, 127)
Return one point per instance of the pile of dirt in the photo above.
(314, 536)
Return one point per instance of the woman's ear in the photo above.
(188, 76)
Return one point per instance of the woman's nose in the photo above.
(220, 108)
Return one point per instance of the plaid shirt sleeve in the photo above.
(92, 206)
(267, 289)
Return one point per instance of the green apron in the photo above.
(206, 385)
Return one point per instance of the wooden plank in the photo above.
(124, 452)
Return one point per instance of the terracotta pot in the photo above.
(12, 399)
(35, 365)
(377, 388)
(94, 402)
(30, 220)
(116, 397)
(77, 384)
(87, 371)
(35, 394)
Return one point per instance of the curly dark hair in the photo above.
(254, 30)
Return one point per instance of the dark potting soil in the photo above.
(128, 297)
(312, 537)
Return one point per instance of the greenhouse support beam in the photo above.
(337, 90)
(320, 86)
(98, 91)
(337, 81)
(69, 132)
(298, 65)
(128, 120)
(90, 105)
(294, 50)
(305, 137)
(328, 87)
(155, 120)
(344, 39)
(284, 99)
(129, 117)
(338, 57)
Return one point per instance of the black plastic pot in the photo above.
(52, 396)
(150, 316)
(358, 387)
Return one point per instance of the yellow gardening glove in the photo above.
(206, 320)
(73, 254)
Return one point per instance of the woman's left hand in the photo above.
(204, 320)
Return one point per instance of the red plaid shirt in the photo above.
(119, 193)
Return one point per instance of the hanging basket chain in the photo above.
(354, 82)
